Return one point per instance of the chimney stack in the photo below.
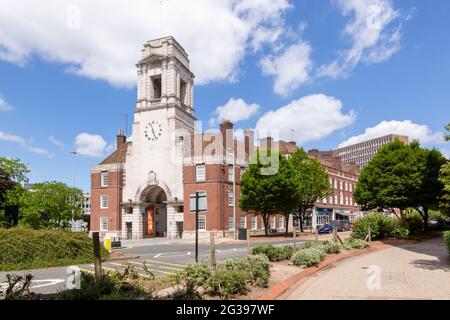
(121, 138)
(266, 143)
(249, 143)
(226, 130)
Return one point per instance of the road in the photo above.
(161, 259)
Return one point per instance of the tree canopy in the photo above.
(401, 176)
(12, 174)
(444, 178)
(309, 181)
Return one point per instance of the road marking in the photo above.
(234, 249)
(189, 253)
(35, 283)
(149, 269)
(170, 264)
(158, 255)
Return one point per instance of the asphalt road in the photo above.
(160, 259)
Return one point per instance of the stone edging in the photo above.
(280, 288)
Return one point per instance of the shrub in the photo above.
(274, 254)
(353, 243)
(22, 248)
(226, 283)
(332, 247)
(308, 257)
(412, 221)
(447, 239)
(312, 244)
(197, 273)
(380, 226)
(399, 232)
(259, 269)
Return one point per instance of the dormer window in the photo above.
(156, 87)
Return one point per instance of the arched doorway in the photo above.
(155, 214)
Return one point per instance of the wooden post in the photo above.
(249, 247)
(316, 233)
(370, 235)
(334, 234)
(294, 233)
(97, 257)
(213, 251)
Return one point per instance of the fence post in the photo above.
(294, 232)
(249, 247)
(370, 235)
(334, 234)
(316, 235)
(213, 251)
(97, 257)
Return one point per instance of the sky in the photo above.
(324, 73)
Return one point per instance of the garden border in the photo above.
(277, 290)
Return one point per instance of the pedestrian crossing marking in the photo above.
(170, 264)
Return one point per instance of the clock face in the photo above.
(153, 131)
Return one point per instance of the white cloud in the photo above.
(103, 41)
(291, 68)
(91, 145)
(23, 143)
(407, 128)
(307, 119)
(56, 142)
(374, 37)
(234, 110)
(4, 106)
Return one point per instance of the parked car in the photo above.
(328, 228)
(342, 225)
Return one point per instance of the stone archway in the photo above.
(154, 200)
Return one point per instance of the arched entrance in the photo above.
(155, 214)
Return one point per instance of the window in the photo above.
(124, 177)
(341, 185)
(351, 187)
(201, 173)
(103, 224)
(335, 184)
(281, 223)
(254, 223)
(202, 201)
(346, 186)
(104, 179)
(342, 199)
(346, 201)
(103, 202)
(231, 199)
(242, 172)
(230, 223)
(156, 86)
(243, 223)
(273, 223)
(324, 200)
(335, 199)
(351, 201)
(183, 91)
(202, 223)
(331, 200)
(230, 173)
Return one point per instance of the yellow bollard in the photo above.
(107, 244)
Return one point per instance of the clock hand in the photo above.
(154, 134)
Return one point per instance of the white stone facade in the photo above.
(164, 113)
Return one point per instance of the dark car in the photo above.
(328, 228)
(342, 225)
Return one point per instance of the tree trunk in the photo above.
(425, 219)
(266, 230)
(286, 217)
(301, 222)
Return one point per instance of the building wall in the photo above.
(114, 193)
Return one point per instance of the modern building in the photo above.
(86, 204)
(361, 153)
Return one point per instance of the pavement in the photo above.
(162, 258)
(419, 270)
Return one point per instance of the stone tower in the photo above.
(164, 114)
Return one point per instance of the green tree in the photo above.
(309, 182)
(12, 174)
(55, 199)
(264, 187)
(444, 178)
(390, 179)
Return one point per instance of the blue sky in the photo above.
(324, 72)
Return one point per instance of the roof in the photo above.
(286, 147)
(118, 156)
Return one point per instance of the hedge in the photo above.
(447, 240)
(22, 248)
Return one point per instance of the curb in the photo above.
(122, 258)
(280, 288)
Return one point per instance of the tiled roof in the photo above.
(286, 147)
(118, 156)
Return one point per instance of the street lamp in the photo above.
(74, 154)
(234, 190)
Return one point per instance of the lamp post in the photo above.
(74, 154)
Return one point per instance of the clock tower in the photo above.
(152, 203)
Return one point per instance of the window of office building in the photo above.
(231, 199)
(201, 173)
(104, 179)
(104, 202)
(243, 223)
(281, 222)
(254, 223)
(202, 223)
(230, 173)
(103, 224)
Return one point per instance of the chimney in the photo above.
(249, 143)
(293, 143)
(121, 139)
(226, 130)
(266, 143)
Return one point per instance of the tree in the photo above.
(390, 179)
(12, 173)
(401, 176)
(309, 182)
(55, 200)
(444, 178)
(264, 187)
(431, 188)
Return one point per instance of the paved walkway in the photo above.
(414, 271)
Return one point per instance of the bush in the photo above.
(259, 269)
(313, 244)
(197, 273)
(447, 239)
(332, 247)
(274, 254)
(308, 257)
(22, 248)
(226, 283)
(380, 226)
(353, 243)
(400, 233)
(412, 221)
